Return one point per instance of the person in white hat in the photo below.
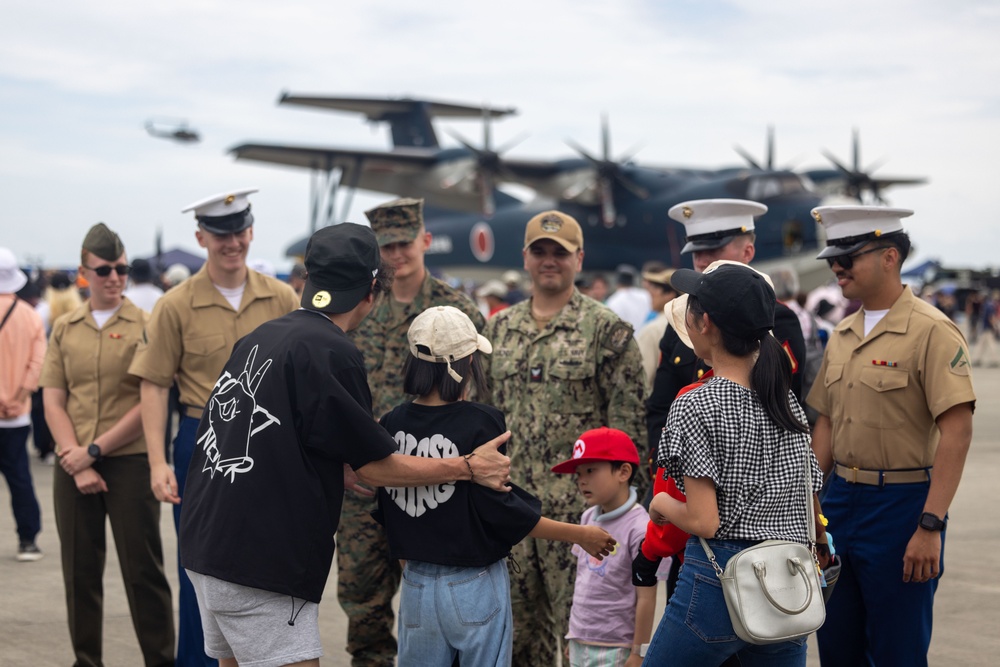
(494, 294)
(22, 351)
(895, 423)
(454, 538)
(190, 334)
(717, 229)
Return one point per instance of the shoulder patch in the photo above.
(618, 337)
(959, 364)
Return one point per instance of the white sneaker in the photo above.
(28, 552)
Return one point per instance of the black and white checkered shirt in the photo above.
(720, 431)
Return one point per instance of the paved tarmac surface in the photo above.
(967, 613)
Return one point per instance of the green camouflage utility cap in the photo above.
(103, 243)
(397, 221)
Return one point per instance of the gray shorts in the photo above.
(252, 625)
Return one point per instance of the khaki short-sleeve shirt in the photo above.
(884, 392)
(91, 365)
(193, 329)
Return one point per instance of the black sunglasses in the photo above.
(105, 271)
(847, 261)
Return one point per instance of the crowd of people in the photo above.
(522, 462)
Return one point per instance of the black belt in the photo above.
(882, 477)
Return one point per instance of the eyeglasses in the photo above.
(105, 271)
(847, 261)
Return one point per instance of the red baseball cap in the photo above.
(600, 444)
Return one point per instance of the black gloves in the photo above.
(644, 570)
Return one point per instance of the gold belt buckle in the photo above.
(854, 470)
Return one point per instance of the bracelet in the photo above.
(472, 475)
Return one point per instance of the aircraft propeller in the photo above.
(859, 181)
(607, 173)
(489, 165)
(769, 163)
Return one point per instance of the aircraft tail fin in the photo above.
(409, 119)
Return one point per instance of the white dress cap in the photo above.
(224, 203)
(712, 223)
(849, 228)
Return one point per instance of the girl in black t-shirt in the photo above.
(455, 598)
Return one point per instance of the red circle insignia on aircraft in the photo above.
(481, 242)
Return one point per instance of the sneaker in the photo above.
(28, 552)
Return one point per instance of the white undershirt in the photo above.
(234, 295)
(102, 316)
(873, 317)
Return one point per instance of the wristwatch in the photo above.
(95, 452)
(930, 521)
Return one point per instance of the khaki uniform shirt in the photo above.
(581, 371)
(91, 365)
(883, 415)
(193, 329)
(381, 337)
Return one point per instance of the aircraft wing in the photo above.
(405, 172)
(885, 182)
(380, 108)
(348, 160)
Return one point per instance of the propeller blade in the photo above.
(608, 212)
(631, 186)
(582, 151)
(770, 147)
(829, 156)
(605, 137)
(856, 147)
(747, 157)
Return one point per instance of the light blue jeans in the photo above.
(695, 629)
(446, 610)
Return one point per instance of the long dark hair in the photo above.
(771, 376)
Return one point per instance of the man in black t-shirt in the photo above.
(288, 420)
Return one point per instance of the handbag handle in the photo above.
(810, 525)
(795, 565)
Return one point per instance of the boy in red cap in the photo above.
(610, 619)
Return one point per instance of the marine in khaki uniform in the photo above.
(562, 364)
(367, 577)
(92, 408)
(895, 400)
(190, 335)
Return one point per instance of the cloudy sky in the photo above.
(686, 79)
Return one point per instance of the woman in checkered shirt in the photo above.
(735, 448)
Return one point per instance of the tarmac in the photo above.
(33, 630)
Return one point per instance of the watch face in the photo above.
(930, 522)
(94, 451)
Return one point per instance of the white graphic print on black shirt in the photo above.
(232, 412)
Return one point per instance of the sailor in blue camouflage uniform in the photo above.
(367, 577)
(562, 364)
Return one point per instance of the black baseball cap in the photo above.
(736, 297)
(341, 260)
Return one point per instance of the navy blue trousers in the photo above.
(15, 469)
(190, 636)
(873, 618)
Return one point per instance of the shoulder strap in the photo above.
(9, 311)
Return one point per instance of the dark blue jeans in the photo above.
(15, 469)
(695, 629)
(190, 636)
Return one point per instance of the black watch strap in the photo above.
(929, 521)
(95, 451)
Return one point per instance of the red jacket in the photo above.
(668, 539)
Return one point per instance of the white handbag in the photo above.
(772, 589)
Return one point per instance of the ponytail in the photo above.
(771, 379)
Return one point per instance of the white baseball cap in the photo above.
(443, 334)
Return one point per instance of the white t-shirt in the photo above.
(234, 295)
(873, 317)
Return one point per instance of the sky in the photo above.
(685, 79)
